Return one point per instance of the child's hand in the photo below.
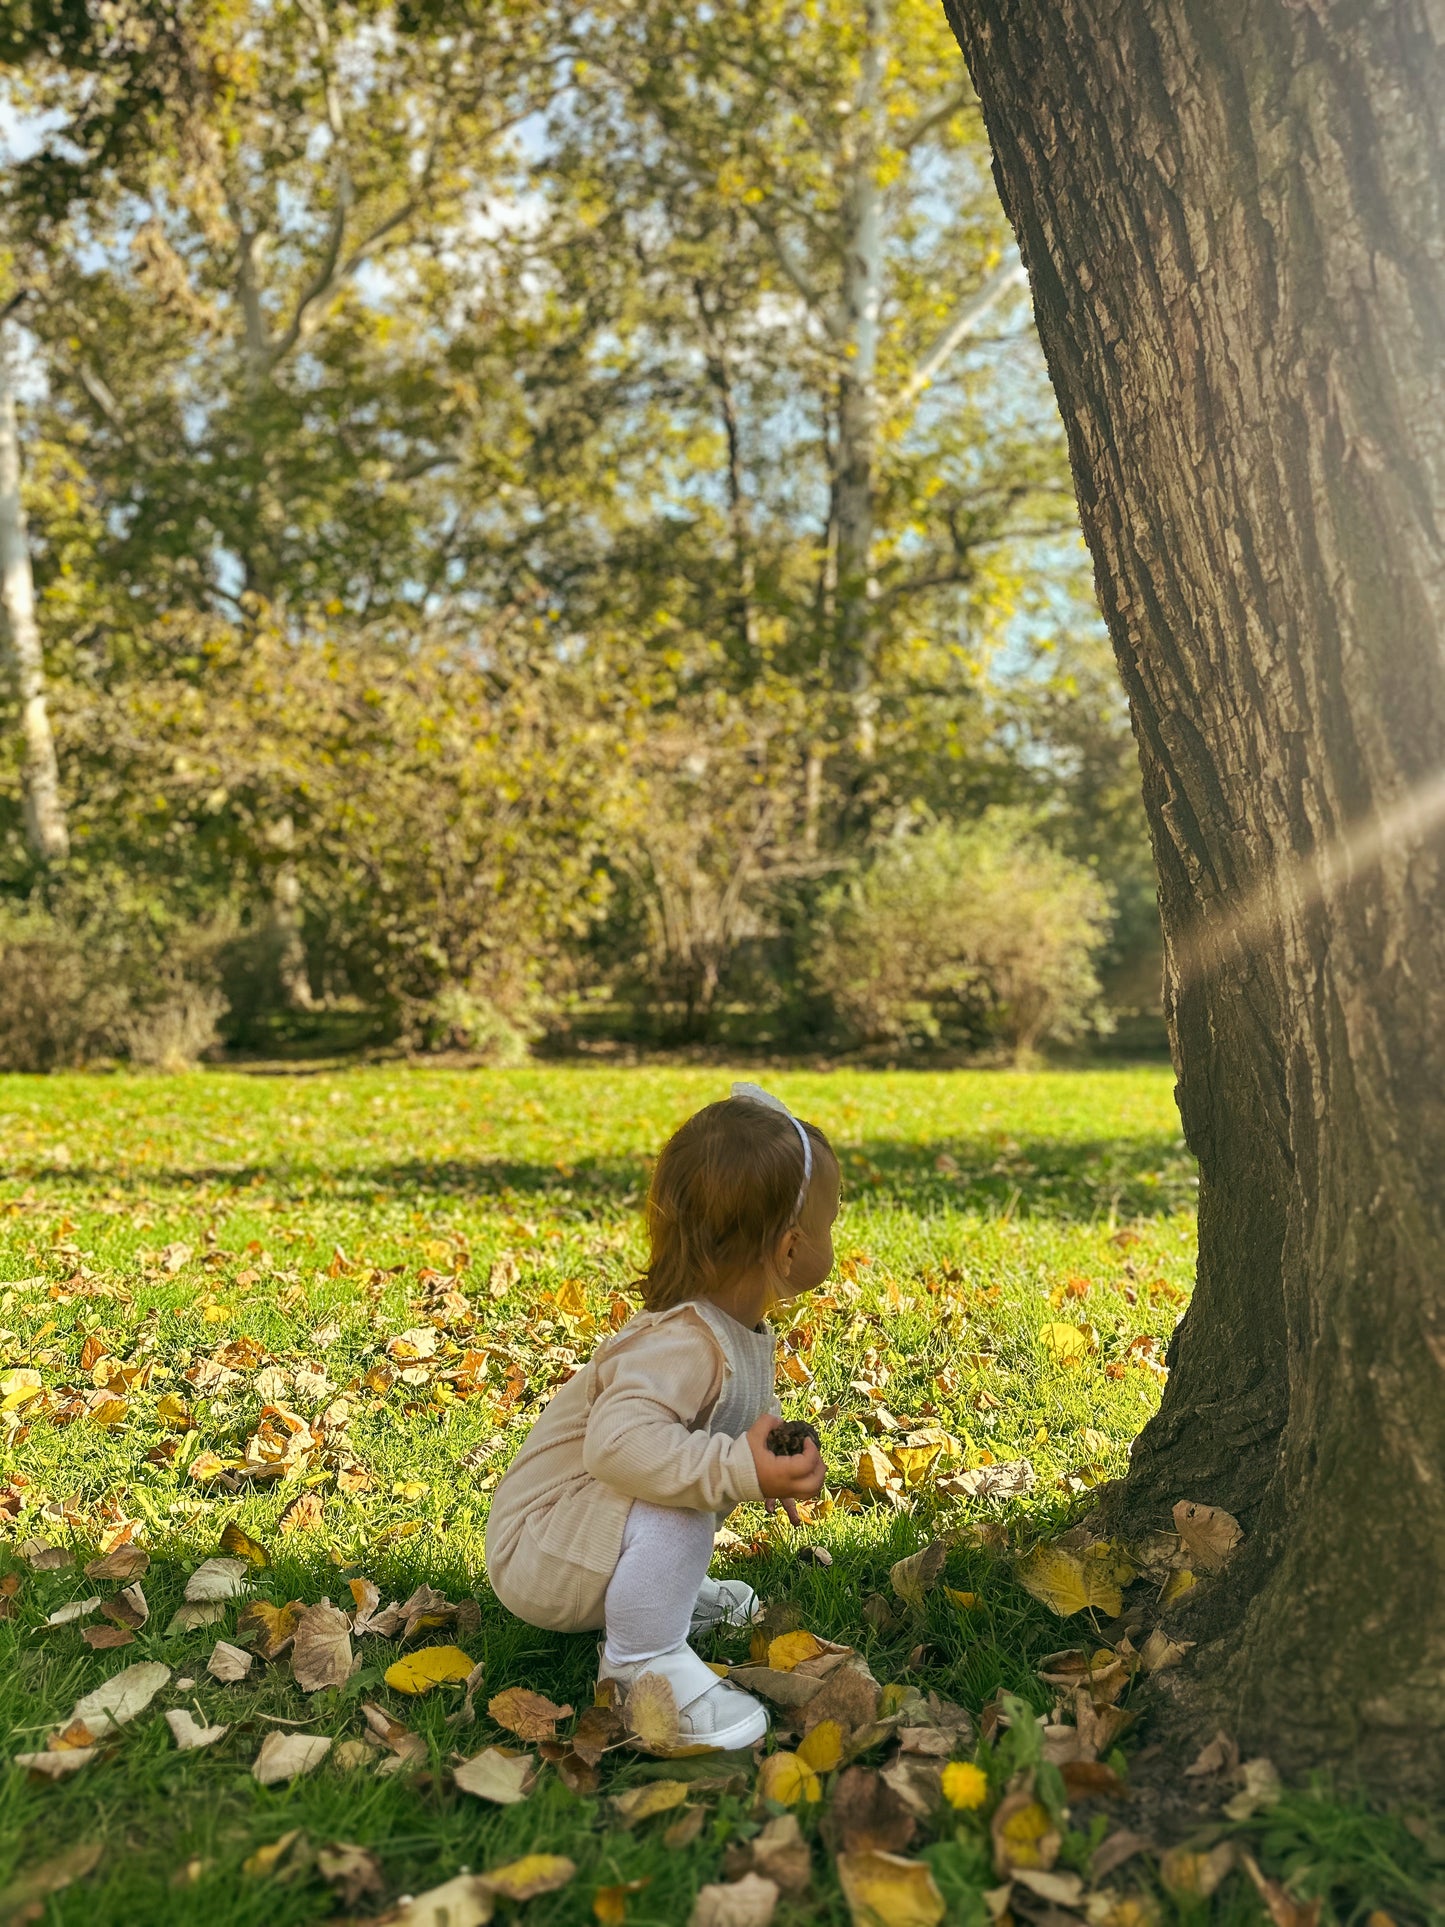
(799, 1476)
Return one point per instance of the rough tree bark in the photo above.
(1233, 216)
(45, 827)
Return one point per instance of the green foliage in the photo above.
(980, 931)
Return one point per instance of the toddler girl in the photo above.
(606, 1516)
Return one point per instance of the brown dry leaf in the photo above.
(122, 1697)
(23, 1898)
(916, 1575)
(56, 1765)
(918, 1784)
(426, 1609)
(642, 1802)
(286, 1756)
(370, 1615)
(124, 1562)
(76, 1609)
(321, 1656)
(353, 1871)
(783, 1689)
(529, 1715)
(234, 1540)
(270, 1629)
(128, 1608)
(1220, 1756)
(433, 1666)
(1091, 1780)
(779, 1853)
(460, 1902)
(866, 1816)
(43, 1556)
(650, 1711)
(1209, 1534)
(216, 1579)
(598, 1729)
(849, 1698)
(104, 1639)
(1195, 1876)
(684, 1829)
(304, 1514)
(497, 1775)
(189, 1734)
(1060, 1889)
(885, 1890)
(576, 1774)
(749, 1902)
(1024, 1835)
(533, 1874)
(1115, 1850)
(1159, 1651)
(229, 1663)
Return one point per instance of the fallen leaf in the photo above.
(1220, 1756)
(865, 1816)
(1069, 1582)
(783, 1689)
(885, 1890)
(1024, 1835)
(279, 1859)
(77, 1609)
(1261, 1789)
(1115, 1850)
(228, 1663)
(682, 1831)
(849, 1697)
(42, 1556)
(104, 1639)
(128, 1607)
(822, 1749)
(533, 1874)
(789, 1650)
(598, 1729)
(1159, 1651)
(529, 1715)
(787, 1779)
(55, 1766)
(217, 1579)
(642, 1802)
(321, 1656)
(917, 1782)
(1062, 1889)
(270, 1629)
(496, 1775)
(304, 1514)
(432, 1666)
(233, 1539)
(22, 1899)
(779, 1853)
(195, 1612)
(650, 1711)
(122, 1697)
(1195, 1876)
(124, 1562)
(188, 1734)
(1209, 1534)
(1091, 1780)
(1065, 1344)
(353, 1871)
(609, 1904)
(286, 1756)
(916, 1575)
(749, 1902)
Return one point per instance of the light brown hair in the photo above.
(724, 1193)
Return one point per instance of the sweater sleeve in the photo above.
(638, 1441)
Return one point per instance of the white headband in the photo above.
(755, 1094)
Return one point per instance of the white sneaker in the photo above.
(711, 1716)
(724, 1602)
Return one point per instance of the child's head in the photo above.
(730, 1195)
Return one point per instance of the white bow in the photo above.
(755, 1094)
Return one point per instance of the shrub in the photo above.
(979, 932)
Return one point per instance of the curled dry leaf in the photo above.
(41, 1555)
(496, 1775)
(918, 1784)
(370, 1615)
(1261, 1789)
(783, 1689)
(1112, 1852)
(533, 1874)
(321, 1656)
(1220, 1756)
(598, 1728)
(1208, 1534)
(217, 1579)
(228, 1663)
(432, 1666)
(77, 1609)
(609, 1904)
(865, 1816)
(353, 1871)
(1061, 1889)
(916, 1575)
(234, 1540)
(304, 1514)
(122, 1697)
(22, 1899)
(407, 1746)
(779, 1853)
(1283, 1910)
(123, 1562)
(529, 1715)
(286, 1756)
(128, 1607)
(749, 1902)
(885, 1890)
(642, 1802)
(189, 1734)
(650, 1711)
(55, 1766)
(279, 1860)
(193, 1613)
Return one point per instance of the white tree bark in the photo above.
(45, 827)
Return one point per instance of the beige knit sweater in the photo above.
(634, 1423)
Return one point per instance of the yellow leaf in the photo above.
(914, 1576)
(1071, 1582)
(964, 1785)
(264, 1859)
(233, 1539)
(432, 1666)
(822, 1750)
(886, 1890)
(609, 1904)
(892, 1698)
(570, 1299)
(641, 1802)
(651, 1713)
(963, 1600)
(1065, 1344)
(1176, 1585)
(791, 1649)
(1024, 1835)
(787, 1778)
(913, 1461)
(876, 1472)
(533, 1874)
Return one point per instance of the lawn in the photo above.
(367, 1282)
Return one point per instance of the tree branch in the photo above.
(1010, 275)
(945, 110)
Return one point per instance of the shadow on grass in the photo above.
(1054, 1178)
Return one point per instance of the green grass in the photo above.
(977, 1207)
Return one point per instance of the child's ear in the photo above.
(786, 1248)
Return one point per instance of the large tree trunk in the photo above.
(1231, 213)
(45, 828)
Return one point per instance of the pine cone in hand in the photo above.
(787, 1440)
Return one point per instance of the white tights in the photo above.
(654, 1586)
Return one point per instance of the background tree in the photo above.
(1232, 219)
